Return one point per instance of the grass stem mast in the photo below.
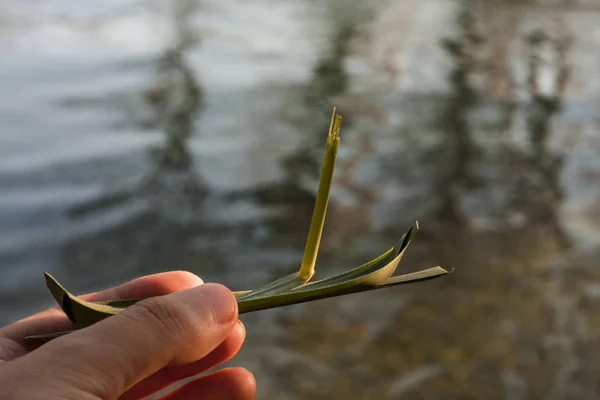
(307, 267)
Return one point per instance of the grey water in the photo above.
(144, 136)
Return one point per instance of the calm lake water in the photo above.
(143, 136)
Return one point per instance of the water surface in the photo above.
(140, 137)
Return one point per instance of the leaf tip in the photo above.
(57, 291)
(50, 281)
(335, 124)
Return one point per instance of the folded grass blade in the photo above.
(292, 289)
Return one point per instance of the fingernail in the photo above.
(239, 326)
(221, 301)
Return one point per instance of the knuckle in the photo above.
(165, 316)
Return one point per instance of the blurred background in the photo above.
(139, 136)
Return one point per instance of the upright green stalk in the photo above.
(307, 267)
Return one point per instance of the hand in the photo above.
(190, 328)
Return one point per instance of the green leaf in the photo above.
(291, 289)
(82, 313)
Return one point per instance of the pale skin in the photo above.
(184, 329)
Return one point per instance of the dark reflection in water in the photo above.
(172, 191)
(508, 323)
(466, 116)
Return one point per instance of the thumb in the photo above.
(112, 355)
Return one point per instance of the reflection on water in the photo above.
(189, 135)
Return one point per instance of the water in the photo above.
(140, 137)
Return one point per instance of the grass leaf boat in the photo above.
(292, 289)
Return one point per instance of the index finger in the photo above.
(54, 320)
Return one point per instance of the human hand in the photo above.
(189, 329)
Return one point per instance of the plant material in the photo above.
(292, 289)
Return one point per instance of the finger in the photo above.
(169, 375)
(227, 384)
(120, 351)
(54, 319)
